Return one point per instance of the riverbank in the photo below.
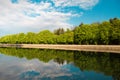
(96, 48)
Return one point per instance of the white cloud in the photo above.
(84, 4)
(24, 16)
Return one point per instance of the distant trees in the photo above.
(59, 31)
(107, 32)
(66, 38)
(115, 31)
(46, 37)
(98, 33)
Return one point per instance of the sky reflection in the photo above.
(23, 69)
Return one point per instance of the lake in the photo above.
(38, 64)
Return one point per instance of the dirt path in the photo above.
(97, 48)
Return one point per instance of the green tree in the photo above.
(46, 37)
(59, 31)
(115, 31)
(66, 38)
(30, 38)
(104, 33)
(20, 38)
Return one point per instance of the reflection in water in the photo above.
(29, 74)
(36, 64)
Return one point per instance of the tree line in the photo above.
(107, 32)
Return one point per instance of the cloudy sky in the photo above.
(36, 15)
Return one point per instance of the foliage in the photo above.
(107, 32)
(98, 33)
(59, 31)
(66, 38)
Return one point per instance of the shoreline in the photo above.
(94, 48)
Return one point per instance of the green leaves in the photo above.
(98, 33)
(95, 33)
(66, 38)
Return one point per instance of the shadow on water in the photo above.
(106, 63)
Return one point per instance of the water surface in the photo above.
(36, 64)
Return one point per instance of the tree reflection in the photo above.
(106, 63)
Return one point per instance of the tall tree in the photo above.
(59, 31)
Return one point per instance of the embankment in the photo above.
(97, 48)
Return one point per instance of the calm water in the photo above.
(35, 64)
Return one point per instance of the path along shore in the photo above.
(96, 48)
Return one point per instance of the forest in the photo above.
(105, 33)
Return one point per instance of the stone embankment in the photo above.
(97, 48)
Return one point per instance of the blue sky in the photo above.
(36, 15)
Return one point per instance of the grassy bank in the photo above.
(97, 48)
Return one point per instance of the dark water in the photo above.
(35, 64)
